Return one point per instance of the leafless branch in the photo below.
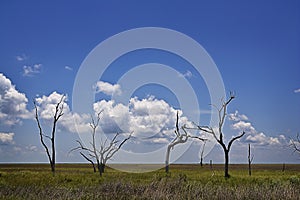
(235, 138)
(295, 143)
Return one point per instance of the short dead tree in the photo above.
(181, 136)
(58, 113)
(106, 149)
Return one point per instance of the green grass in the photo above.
(77, 181)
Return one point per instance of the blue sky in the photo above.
(255, 45)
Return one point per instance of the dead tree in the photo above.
(250, 159)
(295, 144)
(57, 115)
(181, 137)
(106, 149)
(219, 135)
(202, 153)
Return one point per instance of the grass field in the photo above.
(78, 181)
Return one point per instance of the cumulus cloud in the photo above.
(46, 105)
(12, 103)
(150, 119)
(107, 88)
(69, 68)
(252, 135)
(297, 90)
(7, 138)
(29, 70)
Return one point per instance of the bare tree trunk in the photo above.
(226, 166)
(202, 152)
(53, 151)
(211, 167)
(99, 167)
(167, 159)
(249, 159)
(102, 167)
(179, 139)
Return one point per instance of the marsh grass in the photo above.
(77, 181)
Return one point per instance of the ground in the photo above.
(78, 181)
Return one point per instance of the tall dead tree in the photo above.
(58, 113)
(219, 135)
(106, 149)
(180, 138)
(250, 159)
(295, 143)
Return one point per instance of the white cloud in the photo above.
(160, 141)
(151, 120)
(69, 68)
(236, 116)
(71, 122)
(31, 70)
(107, 88)
(31, 148)
(187, 74)
(297, 90)
(252, 135)
(262, 139)
(243, 126)
(12, 103)
(21, 57)
(46, 105)
(7, 138)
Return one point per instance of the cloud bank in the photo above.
(12, 103)
(241, 123)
